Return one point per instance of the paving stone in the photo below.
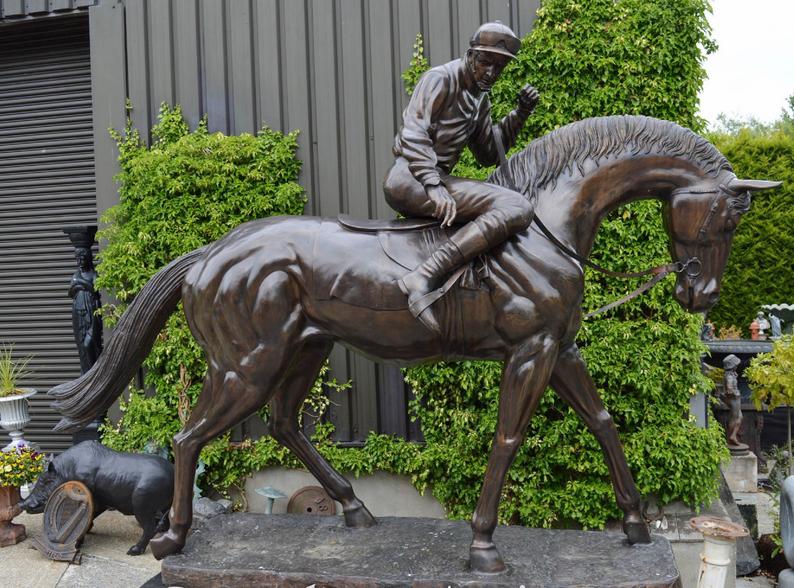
(104, 557)
(100, 572)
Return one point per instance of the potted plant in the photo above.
(772, 378)
(18, 466)
(14, 414)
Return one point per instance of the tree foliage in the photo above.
(759, 269)
(772, 378)
(772, 375)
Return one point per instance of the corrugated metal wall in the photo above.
(330, 68)
(46, 183)
(28, 9)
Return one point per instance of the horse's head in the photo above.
(701, 220)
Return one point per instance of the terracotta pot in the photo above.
(10, 533)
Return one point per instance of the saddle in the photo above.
(368, 277)
(367, 225)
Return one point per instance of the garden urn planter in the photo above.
(10, 533)
(14, 415)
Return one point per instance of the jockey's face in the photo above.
(485, 67)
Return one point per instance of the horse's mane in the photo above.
(545, 158)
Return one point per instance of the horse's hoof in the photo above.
(636, 529)
(486, 560)
(135, 550)
(359, 517)
(166, 544)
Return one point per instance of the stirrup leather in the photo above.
(419, 305)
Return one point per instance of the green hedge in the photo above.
(759, 269)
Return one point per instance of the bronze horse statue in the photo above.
(268, 301)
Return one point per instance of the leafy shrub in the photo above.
(186, 190)
(771, 376)
(759, 269)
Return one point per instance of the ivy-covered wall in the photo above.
(759, 269)
(596, 58)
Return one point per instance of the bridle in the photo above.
(693, 267)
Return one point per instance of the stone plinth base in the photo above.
(741, 473)
(300, 550)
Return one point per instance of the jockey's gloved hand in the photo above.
(528, 98)
(445, 207)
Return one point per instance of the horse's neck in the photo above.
(576, 205)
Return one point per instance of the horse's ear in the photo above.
(738, 185)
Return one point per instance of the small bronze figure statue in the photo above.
(450, 110)
(86, 323)
(733, 400)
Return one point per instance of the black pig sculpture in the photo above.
(131, 483)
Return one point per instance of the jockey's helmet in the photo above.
(495, 37)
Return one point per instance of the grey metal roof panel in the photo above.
(15, 10)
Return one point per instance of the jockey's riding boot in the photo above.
(421, 285)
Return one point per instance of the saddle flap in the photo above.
(411, 249)
(371, 263)
(373, 225)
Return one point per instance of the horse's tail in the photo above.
(82, 400)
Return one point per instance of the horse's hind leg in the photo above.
(573, 384)
(225, 400)
(284, 427)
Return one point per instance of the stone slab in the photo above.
(741, 473)
(300, 550)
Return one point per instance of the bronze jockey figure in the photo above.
(449, 110)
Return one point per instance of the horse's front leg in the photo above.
(572, 382)
(524, 378)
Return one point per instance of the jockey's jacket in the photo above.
(446, 113)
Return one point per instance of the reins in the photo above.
(692, 266)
